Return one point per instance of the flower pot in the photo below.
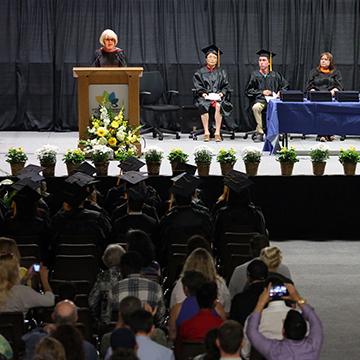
(318, 167)
(286, 168)
(71, 167)
(101, 168)
(48, 168)
(203, 169)
(252, 168)
(349, 168)
(226, 167)
(178, 167)
(153, 168)
(16, 168)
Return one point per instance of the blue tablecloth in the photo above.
(307, 117)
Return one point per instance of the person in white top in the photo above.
(271, 324)
(200, 260)
(271, 256)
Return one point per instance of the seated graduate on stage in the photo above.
(325, 77)
(211, 87)
(263, 82)
(109, 54)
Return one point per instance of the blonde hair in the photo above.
(49, 347)
(108, 34)
(271, 256)
(9, 275)
(8, 246)
(200, 260)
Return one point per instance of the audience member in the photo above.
(65, 313)
(195, 328)
(122, 338)
(17, 297)
(100, 301)
(272, 318)
(141, 323)
(243, 303)
(198, 241)
(211, 350)
(70, 337)
(272, 257)
(134, 284)
(49, 347)
(296, 344)
(201, 260)
(123, 354)
(229, 340)
(140, 242)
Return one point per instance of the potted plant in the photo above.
(287, 158)
(251, 157)
(47, 157)
(16, 157)
(349, 159)
(227, 159)
(178, 159)
(318, 155)
(153, 157)
(73, 158)
(123, 153)
(100, 156)
(203, 156)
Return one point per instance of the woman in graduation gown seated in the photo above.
(109, 54)
(211, 87)
(325, 77)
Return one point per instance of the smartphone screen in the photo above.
(36, 267)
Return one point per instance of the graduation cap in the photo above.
(267, 54)
(133, 177)
(185, 168)
(26, 191)
(31, 172)
(237, 181)
(131, 164)
(184, 184)
(86, 168)
(31, 168)
(81, 179)
(212, 49)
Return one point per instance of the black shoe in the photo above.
(258, 138)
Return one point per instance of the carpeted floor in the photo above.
(327, 274)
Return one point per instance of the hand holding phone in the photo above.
(36, 267)
(278, 291)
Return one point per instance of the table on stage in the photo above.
(329, 118)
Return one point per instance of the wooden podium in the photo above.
(106, 75)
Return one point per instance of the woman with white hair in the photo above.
(272, 257)
(100, 296)
(109, 54)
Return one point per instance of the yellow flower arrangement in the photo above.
(110, 128)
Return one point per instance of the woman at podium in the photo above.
(211, 89)
(109, 54)
(325, 77)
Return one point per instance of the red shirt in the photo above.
(196, 328)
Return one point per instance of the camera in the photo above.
(36, 267)
(278, 291)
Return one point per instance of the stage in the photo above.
(31, 141)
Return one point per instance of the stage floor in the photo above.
(269, 166)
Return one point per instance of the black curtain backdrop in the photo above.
(42, 40)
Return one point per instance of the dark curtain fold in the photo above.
(42, 40)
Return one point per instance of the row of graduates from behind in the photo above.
(130, 204)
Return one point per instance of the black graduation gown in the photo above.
(103, 58)
(320, 81)
(257, 83)
(215, 81)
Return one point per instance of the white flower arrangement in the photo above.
(153, 154)
(100, 153)
(47, 154)
(203, 154)
(251, 155)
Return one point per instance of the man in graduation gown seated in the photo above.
(263, 82)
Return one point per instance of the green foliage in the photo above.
(75, 156)
(153, 154)
(177, 155)
(349, 156)
(203, 155)
(226, 156)
(287, 155)
(16, 155)
(319, 153)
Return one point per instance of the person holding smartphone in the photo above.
(298, 342)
